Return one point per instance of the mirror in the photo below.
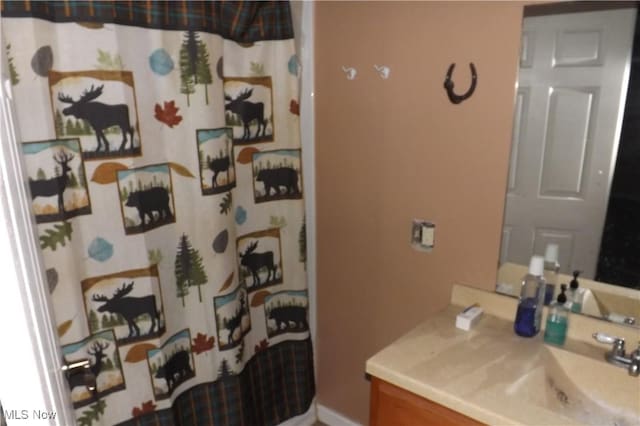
(574, 171)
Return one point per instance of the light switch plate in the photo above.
(422, 235)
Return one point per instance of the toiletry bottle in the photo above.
(575, 294)
(555, 331)
(551, 270)
(529, 313)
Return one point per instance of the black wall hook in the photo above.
(448, 84)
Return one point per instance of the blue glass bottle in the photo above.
(529, 313)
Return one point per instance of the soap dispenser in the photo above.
(555, 331)
(551, 271)
(575, 294)
(529, 313)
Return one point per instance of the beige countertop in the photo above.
(480, 372)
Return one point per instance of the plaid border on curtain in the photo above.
(276, 384)
(240, 21)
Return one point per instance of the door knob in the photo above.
(79, 373)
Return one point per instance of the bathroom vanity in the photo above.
(392, 405)
(437, 374)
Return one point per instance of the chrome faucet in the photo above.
(617, 355)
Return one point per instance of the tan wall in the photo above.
(390, 151)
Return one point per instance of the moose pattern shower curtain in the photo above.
(161, 148)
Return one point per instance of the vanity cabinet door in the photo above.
(393, 406)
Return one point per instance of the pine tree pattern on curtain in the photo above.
(162, 152)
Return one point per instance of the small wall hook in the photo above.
(350, 72)
(448, 84)
(383, 70)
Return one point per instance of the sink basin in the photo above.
(573, 386)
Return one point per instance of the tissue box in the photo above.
(469, 317)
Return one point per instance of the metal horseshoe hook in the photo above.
(448, 84)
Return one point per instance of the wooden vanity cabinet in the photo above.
(393, 406)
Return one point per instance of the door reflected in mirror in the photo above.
(574, 171)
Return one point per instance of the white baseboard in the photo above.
(332, 418)
(306, 419)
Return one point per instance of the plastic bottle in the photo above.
(555, 331)
(575, 294)
(551, 270)
(529, 313)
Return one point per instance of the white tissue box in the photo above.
(467, 318)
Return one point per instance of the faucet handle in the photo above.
(634, 366)
(618, 342)
(607, 338)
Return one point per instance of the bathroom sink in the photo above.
(615, 307)
(581, 389)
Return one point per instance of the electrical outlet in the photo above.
(423, 235)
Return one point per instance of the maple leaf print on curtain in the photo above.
(169, 114)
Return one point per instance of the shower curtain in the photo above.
(161, 147)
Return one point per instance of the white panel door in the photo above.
(570, 101)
